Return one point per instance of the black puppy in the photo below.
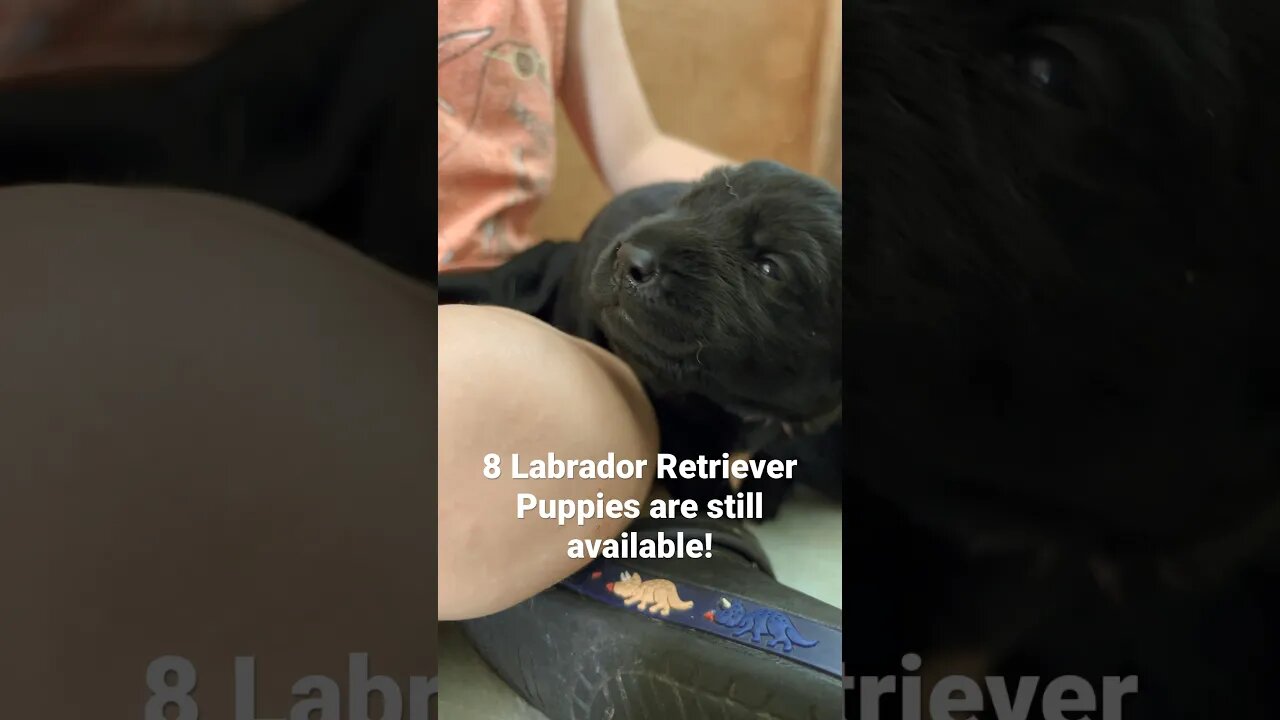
(723, 295)
(1062, 289)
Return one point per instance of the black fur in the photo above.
(734, 354)
(1062, 286)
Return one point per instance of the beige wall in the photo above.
(745, 78)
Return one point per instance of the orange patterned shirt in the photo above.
(499, 66)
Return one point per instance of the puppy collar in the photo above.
(715, 612)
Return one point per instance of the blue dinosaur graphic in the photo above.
(763, 621)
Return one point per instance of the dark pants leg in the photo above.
(217, 439)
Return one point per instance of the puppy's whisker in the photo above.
(727, 184)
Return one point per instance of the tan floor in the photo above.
(804, 543)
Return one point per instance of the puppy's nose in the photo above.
(638, 262)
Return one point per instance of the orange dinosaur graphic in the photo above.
(657, 596)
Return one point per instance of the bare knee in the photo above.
(502, 369)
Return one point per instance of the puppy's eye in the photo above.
(1050, 68)
(769, 268)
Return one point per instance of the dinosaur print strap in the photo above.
(711, 611)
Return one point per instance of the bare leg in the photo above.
(511, 384)
(216, 440)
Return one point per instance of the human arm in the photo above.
(606, 106)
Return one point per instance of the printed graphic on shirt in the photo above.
(504, 71)
(450, 48)
(496, 144)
